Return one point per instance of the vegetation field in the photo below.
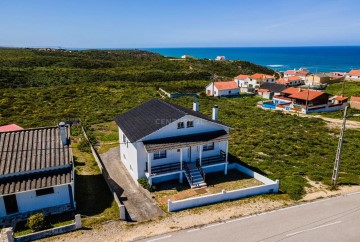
(281, 146)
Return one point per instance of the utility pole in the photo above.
(338, 152)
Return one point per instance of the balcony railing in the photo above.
(205, 161)
(166, 168)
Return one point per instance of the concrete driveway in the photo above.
(138, 206)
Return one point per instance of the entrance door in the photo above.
(11, 205)
(187, 154)
(208, 92)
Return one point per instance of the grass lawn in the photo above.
(107, 136)
(53, 221)
(93, 198)
(216, 181)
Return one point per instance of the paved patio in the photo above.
(138, 206)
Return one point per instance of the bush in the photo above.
(144, 183)
(84, 145)
(37, 222)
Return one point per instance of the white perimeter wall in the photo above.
(269, 186)
(28, 201)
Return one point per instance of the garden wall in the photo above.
(269, 186)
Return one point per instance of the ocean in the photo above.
(316, 59)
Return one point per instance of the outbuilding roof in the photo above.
(152, 116)
(229, 85)
(355, 99)
(10, 127)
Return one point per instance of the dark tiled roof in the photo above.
(185, 141)
(32, 149)
(38, 180)
(151, 116)
(33, 159)
(273, 87)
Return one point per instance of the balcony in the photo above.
(163, 169)
(212, 160)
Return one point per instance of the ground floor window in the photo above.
(208, 147)
(160, 154)
(42, 192)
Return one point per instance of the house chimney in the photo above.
(196, 105)
(63, 136)
(215, 113)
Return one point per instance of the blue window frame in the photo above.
(159, 154)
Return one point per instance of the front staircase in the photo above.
(194, 176)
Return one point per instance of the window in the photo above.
(190, 124)
(124, 138)
(45, 191)
(180, 125)
(229, 92)
(160, 154)
(208, 147)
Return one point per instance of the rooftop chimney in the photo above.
(215, 113)
(196, 106)
(63, 136)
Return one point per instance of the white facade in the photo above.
(211, 90)
(136, 159)
(28, 201)
(353, 77)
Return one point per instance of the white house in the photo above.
(161, 141)
(250, 83)
(36, 172)
(220, 58)
(290, 81)
(353, 75)
(218, 89)
(302, 73)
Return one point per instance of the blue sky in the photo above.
(178, 23)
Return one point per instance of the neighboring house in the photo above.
(10, 127)
(353, 75)
(355, 102)
(324, 78)
(218, 89)
(302, 73)
(290, 81)
(242, 81)
(304, 101)
(161, 141)
(253, 82)
(36, 172)
(268, 90)
(187, 57)
(220, 58)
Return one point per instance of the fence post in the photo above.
(122, 212)
(169, 205)
(277, 186)
(9, 234)
(78, 221)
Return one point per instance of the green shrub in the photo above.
(37, 222)
(144, 183)
(84, 146)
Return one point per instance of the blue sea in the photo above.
(316, 59)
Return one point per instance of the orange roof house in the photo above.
(10, 127)
(301, 96)
(354, 73)
(261, 76)
(241, 76)
(226, 85)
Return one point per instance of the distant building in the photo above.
(324, 78)
(220, 58)
(355, 102)
(187, 57)
(302, 73)
(353, 75)
(290, 81)
(268, 90)
(253, 82)
(36, 172)
(304, 101)
(10, 127)
(218, 89)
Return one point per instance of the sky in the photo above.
(178, 23)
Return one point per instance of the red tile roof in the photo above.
(298, 93)
(281, 81)
(354, 72)
(355, 99)
(263, 90)
(340, 98)
(10, 127)
(261, 76)
(294, 78)
(242, 76)
(226, 85)
(290, 72)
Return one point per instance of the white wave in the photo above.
(275, 65)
